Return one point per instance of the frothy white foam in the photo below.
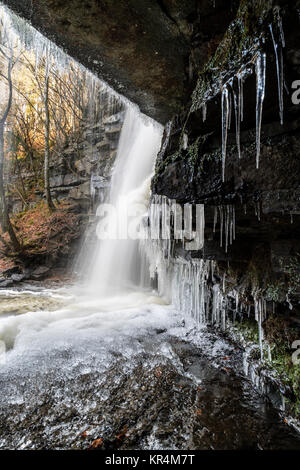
(121, 315)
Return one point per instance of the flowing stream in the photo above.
(111, 360)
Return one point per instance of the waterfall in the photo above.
(117, 263)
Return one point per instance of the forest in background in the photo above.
(47, 99)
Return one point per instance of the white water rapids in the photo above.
(114, 297)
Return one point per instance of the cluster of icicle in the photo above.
(187, 285)
(101, 100)
(227, 224)
(20, 35)
(190, 284)
(232, 95)
(166, 217)
(169, 223)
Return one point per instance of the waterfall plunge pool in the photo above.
(128, 370)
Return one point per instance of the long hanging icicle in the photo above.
(260, 68)
(225, 124)
(260, 309)
(241, 95)
(237, 113)
(279, 67)
(282, 38)
(204, 112)
(227, 224)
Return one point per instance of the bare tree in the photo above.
(50, 203)
(43, 82)
(5, 219)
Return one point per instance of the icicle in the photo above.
(249, 311)
(177, 221)
(282, 38)
(241, 96)
(185, 141)
(289, 302)
(221, 225)
(226, 227)
(225, 123)
(229, 104)
(233, 223)
(236, 301)
(215, 218)
(198, 236)
(19, 32)
(237, 112)
(279, 68)
(224, 282)
(165, 219)
(257, 210)
(260, 95)
(269, 353)
(204, 112)
(260, 316)
(227, 224)
(188, 212)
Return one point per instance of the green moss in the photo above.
(292, 270)
(238, 47)
(289, 374)
(280, 338)
(248, 329)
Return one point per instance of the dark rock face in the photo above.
(264, 259)
(266, 200)
(80, 173)
(146, 50)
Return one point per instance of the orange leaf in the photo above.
(158, 372)
(122, 434)
(97, 443)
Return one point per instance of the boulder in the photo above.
(6, 283)
(40, 272)
(18, 277)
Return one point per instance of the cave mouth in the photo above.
(149, 53)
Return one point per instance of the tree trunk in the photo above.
(4, 216)
(5, 220)
(50, 204)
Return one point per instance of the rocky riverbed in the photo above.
(126, 373)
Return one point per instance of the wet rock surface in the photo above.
(263, 260)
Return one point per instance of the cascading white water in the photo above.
(117, 261)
